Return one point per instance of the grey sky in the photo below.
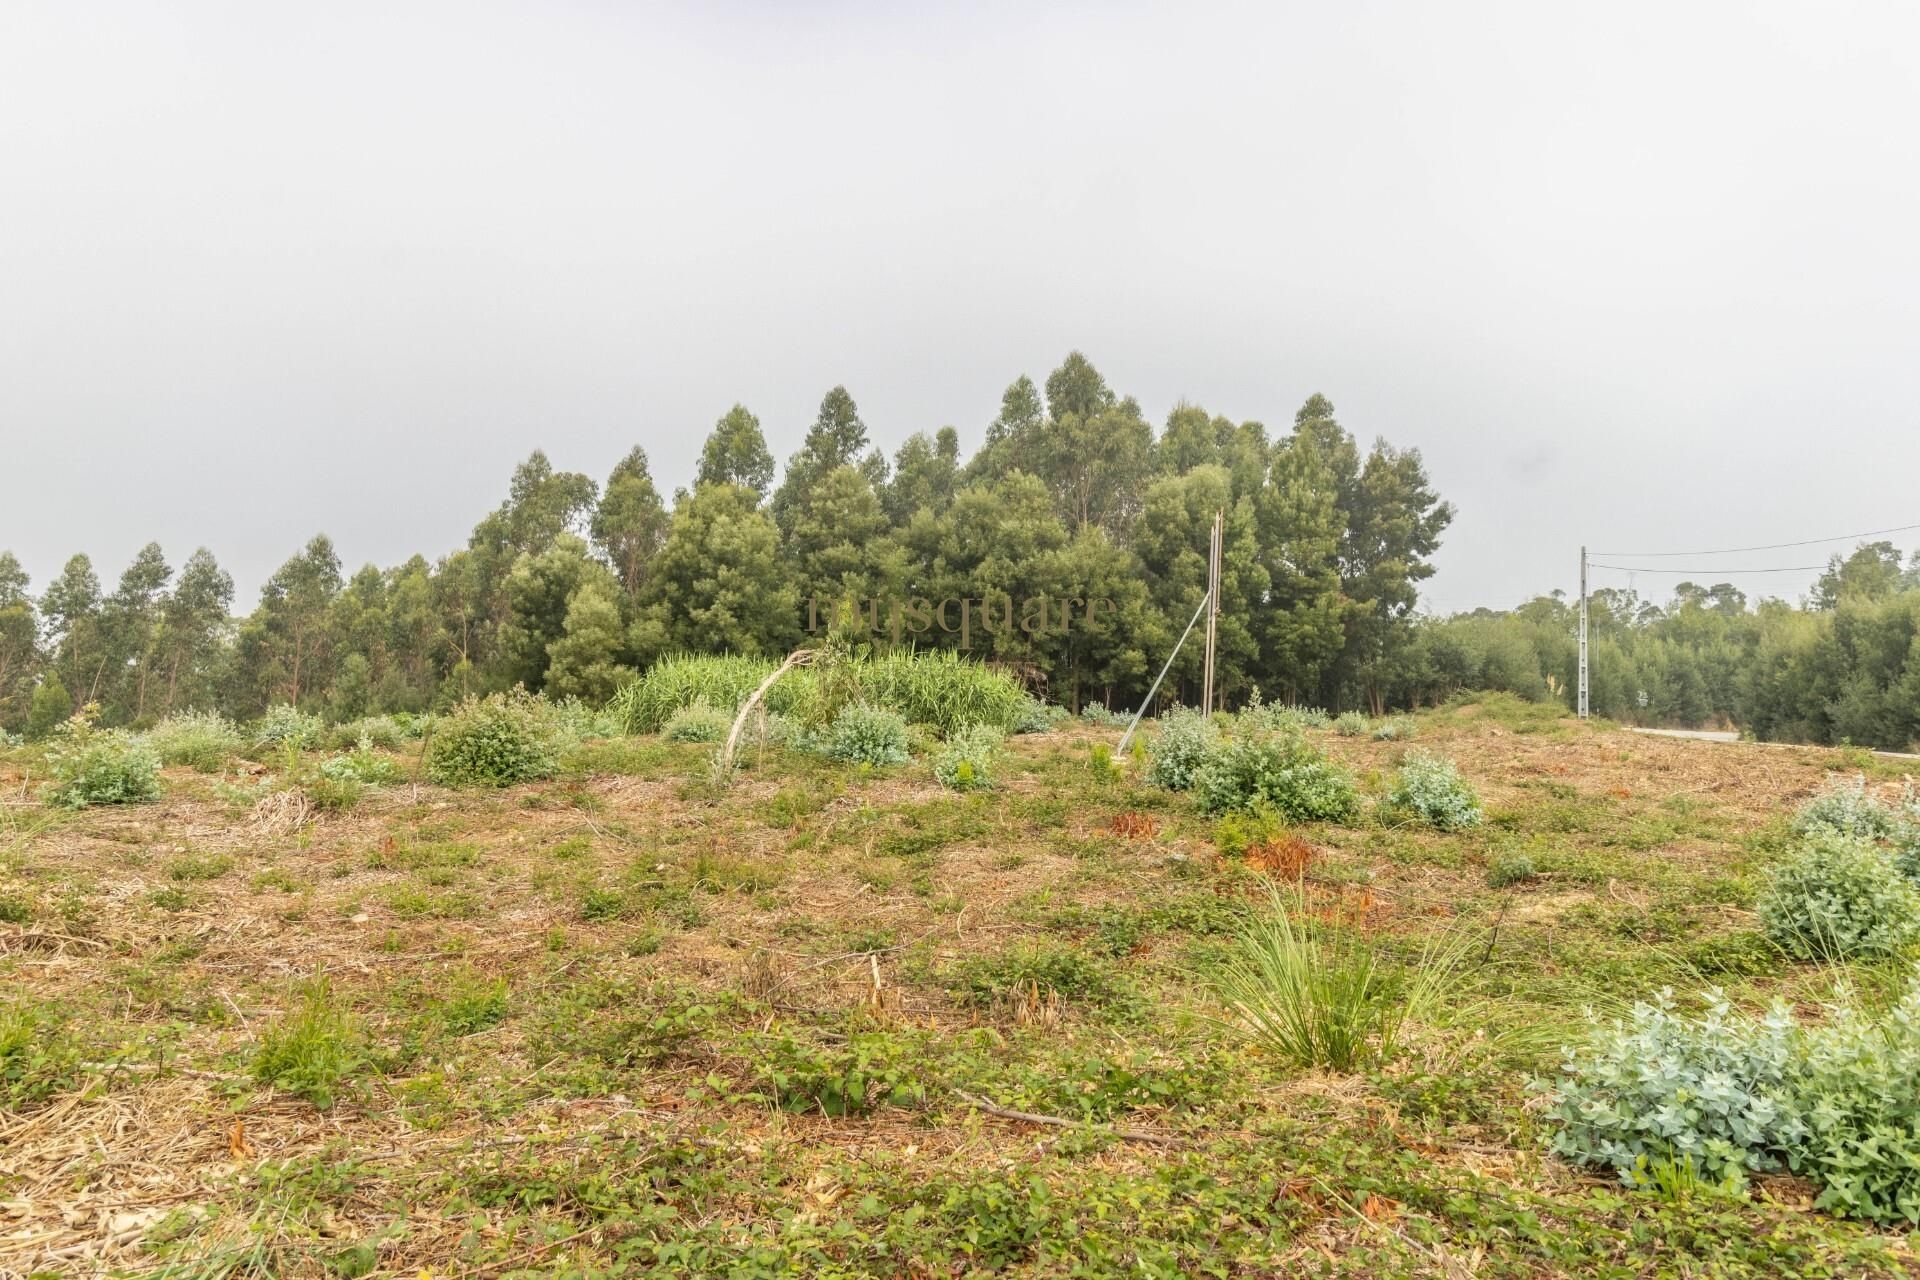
(1646, 275)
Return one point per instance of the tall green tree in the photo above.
(19, 644)
(630, 524)
(71, 611)
(837, 438)
(286, 647)
(719, 585)
(736, 453)
(194, 622)
(585, 660)
(131, 622)
(540, 591)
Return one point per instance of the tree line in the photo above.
(1843, 668)
(571, 586)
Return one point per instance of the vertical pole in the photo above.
(1583, 633)
(1213, 612)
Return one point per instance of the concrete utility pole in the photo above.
(1583, 633)
(1215, 537)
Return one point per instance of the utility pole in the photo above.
(1583, 633)
(1216, 536)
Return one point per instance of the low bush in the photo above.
(1429, 788)
(1281, 772)
(966, 762)
(285, 725)
(95, 766)
(1840, 896)
(202, 740)
(1240, 831)
(384, 732)
(1352, 724)
(1034, 716)
(1845, 807)
(1509, 870)
(866, 734)
(1183, 743)
(1096, 713)
(1723, 1096)
(698, 721)
(363, 765)
(1660, 1089)
(1394, 729)
(494, 741)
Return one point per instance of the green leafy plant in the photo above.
(285, 725)
(1034, 716)
(38, 1056)
(1394, 729)
(1351, 724)
(384, 732)
(871, 1069)
(1510, 869)
(1840, 896)
(202, 740)
(1845, 807)
(966, 762)
(313, 1049)
(495, 742)
(1429, 787)
(866, 734)
(698, 721)
(101, 766)
(362, 765)
(1281, 772)
(1183, 743)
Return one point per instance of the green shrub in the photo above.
(494, 741)
(1258, 715)
(285, 725)
(384, 732)
(363, 765)
(865, 734)
(1431, 789)
(1241, 830)
(1725, 1095)
(312, 1049)
(1845, 807)
(1184, 741)
(1394, 729)
(1510, 869)
(94, 766)
(1859, 1112)
(1661, 1089)
(1034, 716)
(577, 722)
(1096, 713)
(1840, 896)
(966, 762)
(1281, 772)
(203, 740)
(698, 721)
(1352, 724)
(1320, 995)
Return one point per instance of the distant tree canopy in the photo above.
(570, 585)
(1846, 669)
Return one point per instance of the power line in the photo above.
(1784, 568)
(1774, 546)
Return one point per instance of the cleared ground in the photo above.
(626, 1023)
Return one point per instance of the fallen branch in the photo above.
(1061, 1122)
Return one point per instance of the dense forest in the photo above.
(571, 586)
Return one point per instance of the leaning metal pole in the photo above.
(1127, 737)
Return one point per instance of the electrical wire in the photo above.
(1773, 546)
(1628, 568)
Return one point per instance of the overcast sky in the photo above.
(1643, 275)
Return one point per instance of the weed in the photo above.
(313, 1049)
